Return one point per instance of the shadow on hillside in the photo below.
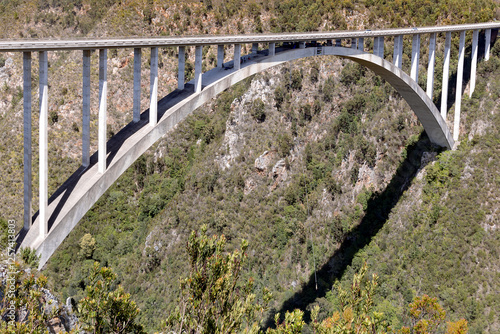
(377, 213)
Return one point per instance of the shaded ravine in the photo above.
(377, 213)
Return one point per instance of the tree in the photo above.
(23, 306)
(107, 310)
(87, 246)
(355, 314)
(212, 298)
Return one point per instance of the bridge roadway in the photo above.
(140, 42)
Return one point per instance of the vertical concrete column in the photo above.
(272, 49)
(197, 68)
(381, 47)
(137, 84)
(398, 51)
(153, 88)
(182, 66)
(237, 57)
(361, 43)
(302, 45)
(430, 69)
(86, 109)
(458, 93)
(329, 42)
(487, 45)
(28, 191)
(473, 66)
(220, 56)
(446, 75)
(43, 143)
(103, 105)
(255, 48)
(375, 46)
(415, 55)
(353, 43)
(338, 42)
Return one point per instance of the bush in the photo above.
(257, 110)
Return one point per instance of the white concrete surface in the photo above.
(27, 166)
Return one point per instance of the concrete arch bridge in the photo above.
(60, 213)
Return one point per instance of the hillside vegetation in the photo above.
(318, 163)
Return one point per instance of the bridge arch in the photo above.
(79, 193)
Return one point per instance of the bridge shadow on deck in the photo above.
(113, 146)
(377, 213)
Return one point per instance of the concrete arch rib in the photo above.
(79, 193)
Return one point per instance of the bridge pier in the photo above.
(353, 43)
(103, 92)
(86, 109)
(415, 55)
(430, 68)
(378, 46)
(197, 68)
(28, 190)
(361, 44)
(182, 67)
(446, 75)
(458, 93)
(397, 58)
(487, 45)
(137, 85)
(43, 143)
(255, 48)
(473, 66)
(220, 56)
(338, 42)
(153, 88)
(302, 45)
(237, 57)
(272, 49)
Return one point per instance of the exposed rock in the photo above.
(264, 160)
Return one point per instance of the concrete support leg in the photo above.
(375, 46)
(86, 109)
(220, 56)
(397, 57)
(198, 69)
(458, 95)
(329, 42)
(272, 49)
(43, 143)
(487, 45)
(302, 45)
(353, 43)
(361, 43)
(255, 48)
(153, 88)
(237, 57)
(103, 94)
(446, 75)
(338, 42)
(182, 66)
(473, 66)
(381, 47)
(415, 56)
(430, 69)
(28, 191)
(137, 84)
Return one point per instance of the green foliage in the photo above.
(28, 255)
(22, 291)
(355, 312)
(87, 246)
(292, 324)
(106, 309)
(296, 83)
(258, 110)
(213, 300)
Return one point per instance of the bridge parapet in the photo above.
(310, 44)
